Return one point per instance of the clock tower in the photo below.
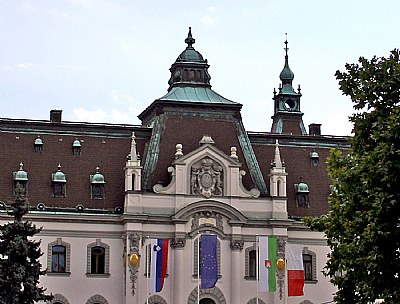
(287, 115)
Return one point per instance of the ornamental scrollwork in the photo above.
(134, 243)
(206, 178)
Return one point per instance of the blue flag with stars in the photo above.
(208, 260)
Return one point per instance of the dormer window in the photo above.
(59, 181)
(314, 159)
(302, 195)
(21, 180)
(97, 182)
(38, 145)
(76, 147)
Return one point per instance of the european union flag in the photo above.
(208, 260)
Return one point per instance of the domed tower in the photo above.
(189, 68)
(190, 110)
(287, 115)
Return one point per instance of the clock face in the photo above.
(290, 104)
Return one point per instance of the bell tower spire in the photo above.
(287, 115)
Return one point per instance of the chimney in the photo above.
(55, 116)
(314, 129)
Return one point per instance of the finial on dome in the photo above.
(286, 47)
(190, 40)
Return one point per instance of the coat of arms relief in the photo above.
(206, 178)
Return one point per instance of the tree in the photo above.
(19, 259)
(363, 225)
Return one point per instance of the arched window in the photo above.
(58, 257)
(250, 263)
(98, 259)
(310, 265)
(97, 299)
(59, 299)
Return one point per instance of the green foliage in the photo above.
(363, 225)
(19, 259)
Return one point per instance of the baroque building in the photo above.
(102, 191)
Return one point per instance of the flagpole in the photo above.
(198, 268)
(257, 266)
(147, 270)
(285, 282)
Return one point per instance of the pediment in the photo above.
(207, 172)
(207, 150)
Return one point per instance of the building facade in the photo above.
(102, 191)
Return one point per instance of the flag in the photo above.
(208, 260)
(267, 246)
(159, 259)
(295, 269)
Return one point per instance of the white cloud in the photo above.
(25, 65)
(207, 20)
(123, 116)
(121, 97)
(81, 114)
(27, 6)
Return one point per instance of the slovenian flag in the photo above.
(159, 260)
(295, 269)
(267, 246)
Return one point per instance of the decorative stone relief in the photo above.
(134, 240)
(281, 273)
(178, 243)
(237, 244)
(207, 218)
(206, 178)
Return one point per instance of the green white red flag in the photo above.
(267, 246)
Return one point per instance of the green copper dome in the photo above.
(98, 178)
(190, 54)
(76, 143)
(302, 188)
(190, 68)
(59, 176)
(21, 174)
(38, 141)
(287, 74)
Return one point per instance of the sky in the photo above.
(106, 61)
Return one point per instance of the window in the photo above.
(310, 265)
(97, 182)
(97, 299)
(59, 299)
(58, 260)
(307, 263)
(76, 147)
(20, 181)
(98, 258)
(250, 263)
(58, 190)
(38, 145)
(59, 180)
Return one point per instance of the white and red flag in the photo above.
(295, 269)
